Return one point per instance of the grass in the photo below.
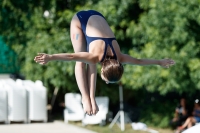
(116, 129)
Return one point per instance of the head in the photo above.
(183, 102)
(111, 70)
(197, 103)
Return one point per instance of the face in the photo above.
(182, 102)
(196, 105)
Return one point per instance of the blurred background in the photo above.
(143, 28)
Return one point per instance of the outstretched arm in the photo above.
(85, 57)
(126, 59)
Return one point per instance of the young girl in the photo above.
(195, 118)
(94, 42)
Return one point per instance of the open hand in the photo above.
(167, 63)
(42, 58)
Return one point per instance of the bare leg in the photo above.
(79, 45)
(189, 125)
(187, 122)
(92, 72)
(192, 121)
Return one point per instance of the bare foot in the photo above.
(95, 108)
(87, 107)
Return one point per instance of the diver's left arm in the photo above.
(127, 59)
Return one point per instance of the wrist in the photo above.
(50, 57)
(159, 62)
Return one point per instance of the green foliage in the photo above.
(8, 59)
(144, 29)
(166, 29)
(30, 32)
(154, 115)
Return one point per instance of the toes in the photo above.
(88, 112)
(95, 111)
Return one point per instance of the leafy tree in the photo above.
(8, 59)
(31, 32)
(166, 29)
(144, 29)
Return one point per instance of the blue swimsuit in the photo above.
(196, 116)
(83, 17)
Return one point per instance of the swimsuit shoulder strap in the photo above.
(108, 41)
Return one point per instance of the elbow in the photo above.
(94, 61)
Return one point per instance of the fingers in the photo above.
(40, 59)
(169, 62)
(166, 63)
(39, 56)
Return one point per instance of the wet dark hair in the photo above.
(112, 70)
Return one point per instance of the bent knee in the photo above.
(191, 118)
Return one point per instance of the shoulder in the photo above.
(117, 50)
